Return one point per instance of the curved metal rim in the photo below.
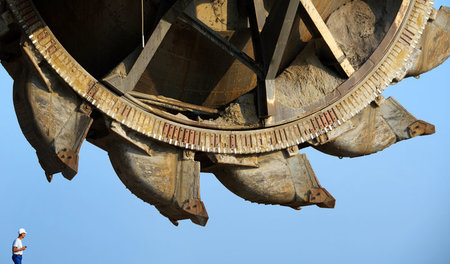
(408, 26)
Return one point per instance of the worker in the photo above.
(18, 248)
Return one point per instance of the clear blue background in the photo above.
(392, 207)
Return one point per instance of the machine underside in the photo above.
(235, 88)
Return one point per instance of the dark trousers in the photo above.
(17, 259)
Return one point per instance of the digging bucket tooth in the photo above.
(159, 174)
(53, 119)
(280, 178)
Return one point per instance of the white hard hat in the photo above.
(22, 231)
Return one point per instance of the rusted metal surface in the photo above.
(167, 178)
(169, 110)
(53, 119)
(374, 129)
(435, 44)
(322, 198)
(279, 179)
(421, 128)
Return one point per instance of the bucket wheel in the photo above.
(236, 88)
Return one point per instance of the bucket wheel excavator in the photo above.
(172, 88)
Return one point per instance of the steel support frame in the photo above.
(269, 37)
(274, 37)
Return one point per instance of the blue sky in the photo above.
(392, 207)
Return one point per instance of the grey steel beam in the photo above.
(315, 21)
(253, 9)
(283, 26)
(260, 13)
(275, 35)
